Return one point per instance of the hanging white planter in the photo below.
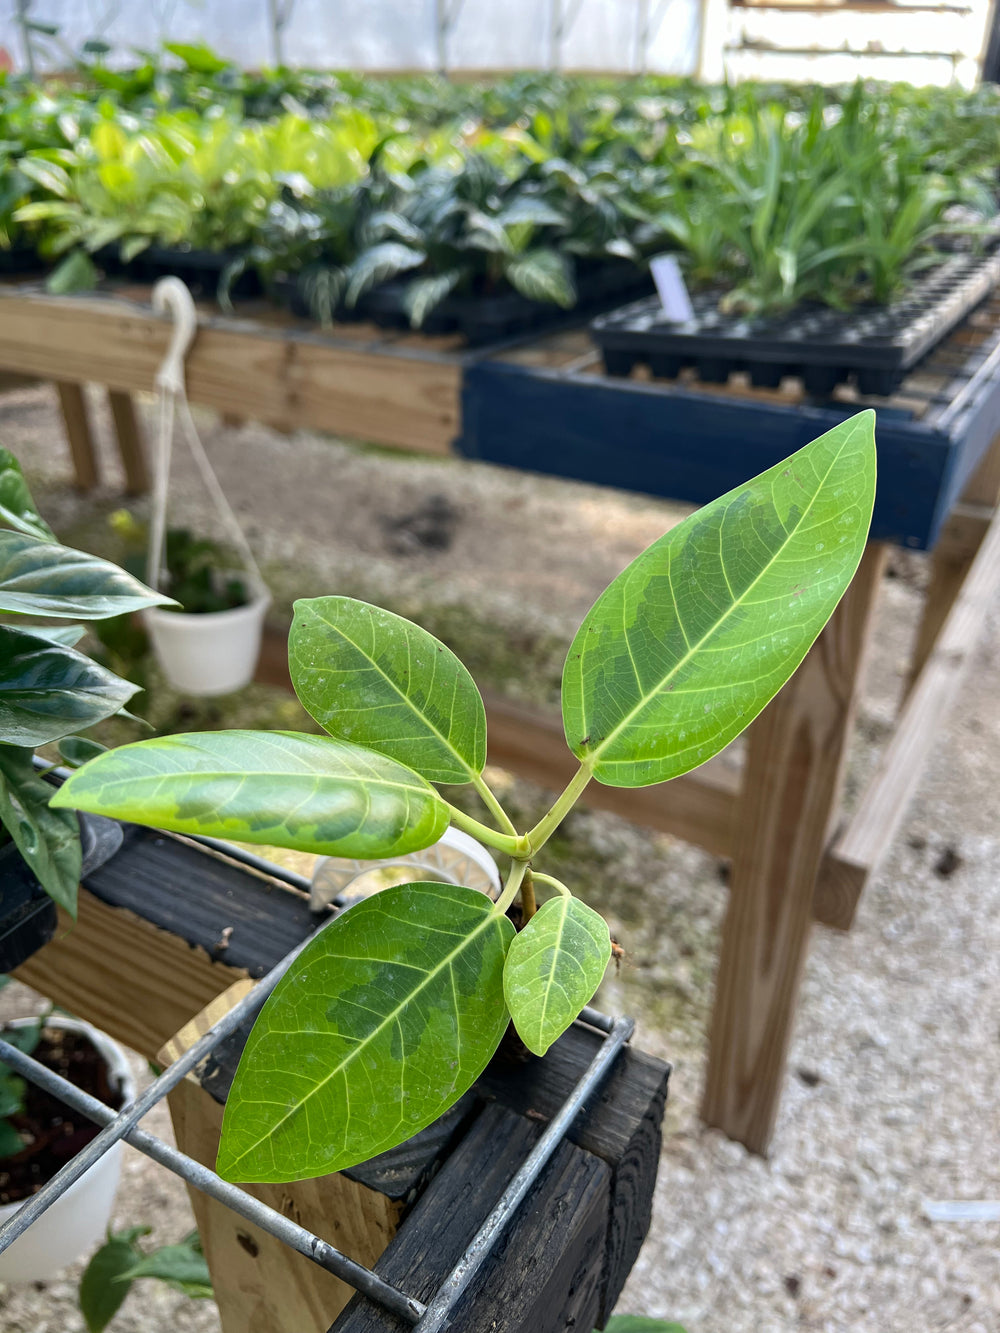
(76, 1223)
(212, 653)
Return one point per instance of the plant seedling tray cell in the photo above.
(876, 345)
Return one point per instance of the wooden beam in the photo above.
(859, 850)
(283, 377)
(790, 795)
(81, 442)
(135, 981)
(130, 445)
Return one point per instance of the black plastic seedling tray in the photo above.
(873, 345)
(486, 319)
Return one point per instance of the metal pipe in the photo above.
(438, 1311)
(126, 1120)
(298, 1238)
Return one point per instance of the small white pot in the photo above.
(76, 1223)
(214, 653)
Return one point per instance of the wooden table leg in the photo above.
(81, 442)
(130, 444)
(954, 553)
(791, 788)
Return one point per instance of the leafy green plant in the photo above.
(121, 1262)
(49, 691)
(391, 1012)
(12, 1088)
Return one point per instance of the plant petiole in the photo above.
(504, 842)
(547, 825)
(551, 882)
(493, 805)
(513, 882)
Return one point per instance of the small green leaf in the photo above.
(699, 633)
(17, 508)
(542, 275)
(76, 273)
(386, 1017)
(49, 840)
(48, 691)
(278, 788)
(78, 750)
(10, 1140)
(39, 578)
(553, 968)
(182, 1266)
(371, 677)
(102, 1290)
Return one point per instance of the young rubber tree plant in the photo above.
(395, 1007)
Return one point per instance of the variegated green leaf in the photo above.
(686, 647)
(40, 578)
(382, 1022)
(374, 678)
(48, 839)
(277, 788)
(553, 968)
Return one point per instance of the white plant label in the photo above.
(670, 285)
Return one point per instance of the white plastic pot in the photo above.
(214, 653)
(456, 859)
(76, 1223)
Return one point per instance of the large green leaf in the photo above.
(553, 968)
(379, 1025)
(39, 578)
(378, 680)
(278, 788)
(690, 642)
(48, 691)
(17, 508)
(48, 839)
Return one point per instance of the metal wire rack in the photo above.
(432, 1317)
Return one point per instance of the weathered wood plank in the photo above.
(73, 406)
(859, 849)
(130, 443)
(791, 790)
(149, 948)
(544, 1275)
(282, 377)
(258, 1282)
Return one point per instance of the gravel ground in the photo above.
(890, 1100)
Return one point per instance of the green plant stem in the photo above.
(514, 877)
(552, 883)
(548, 824)
(503, 842)
(528, 905)
(493, 805)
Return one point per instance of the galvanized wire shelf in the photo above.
(430, 1317)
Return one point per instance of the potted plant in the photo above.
(39, 1134)
(49, 693)
(209, 645)
(392, 1011)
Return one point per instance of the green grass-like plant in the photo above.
(393, 1010)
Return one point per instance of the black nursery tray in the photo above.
(875, 345)
(487, 319)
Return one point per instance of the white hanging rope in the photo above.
(171, 297)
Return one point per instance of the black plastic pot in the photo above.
(22, 259)
(875, 345)
(28, 915)
(201, 270)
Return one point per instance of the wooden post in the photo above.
(130, 445)
(954, 553)
(81, 442)
(790, 794)
(257, 1281)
